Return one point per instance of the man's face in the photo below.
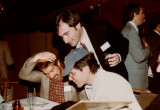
(140, 18)
(52, 72)
(80, 78)
(70, 35)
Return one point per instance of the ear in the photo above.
(135, 14)
(78, 25)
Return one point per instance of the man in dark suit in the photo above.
(153, 39)
(99, 37)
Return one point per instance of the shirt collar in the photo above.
(134, 25)
(156, 32)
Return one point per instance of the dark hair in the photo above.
(88, 60)
(43, 65)
(128, 12)
(71, 17)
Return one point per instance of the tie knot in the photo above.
(82, 44)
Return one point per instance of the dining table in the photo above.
(40, 104)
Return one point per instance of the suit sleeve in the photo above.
(28, 73)
(136, 49)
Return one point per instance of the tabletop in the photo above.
(41, 104)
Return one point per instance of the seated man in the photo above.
(100, 85)
(49, 73)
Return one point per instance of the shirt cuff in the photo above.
(120, 59)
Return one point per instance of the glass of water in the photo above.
(31, 100)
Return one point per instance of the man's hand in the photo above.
(44, 56)
(113, 59)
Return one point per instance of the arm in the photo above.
(136, 49)
(28, 73)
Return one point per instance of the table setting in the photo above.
(30, 103)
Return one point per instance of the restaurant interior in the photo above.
(28, 25)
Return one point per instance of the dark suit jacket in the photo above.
(101, 32)
(153, 39)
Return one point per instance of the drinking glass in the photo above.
(106, 59)
(31, 99)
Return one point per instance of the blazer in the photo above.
(153, 39)
(136, 61)
(27, 73)
(102, 32)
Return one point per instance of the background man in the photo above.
(153, 40)
(99, 37)
(136, 61)
(49, 73)
(100, 85)
(6, 61)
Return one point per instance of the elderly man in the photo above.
(100, 85)
(53, 86)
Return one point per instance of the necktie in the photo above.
(83, 45)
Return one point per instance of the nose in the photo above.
(70, 77)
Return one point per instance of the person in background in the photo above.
(137, 58)
(154, 105)
(154, 86)
(153, 39)
(100, 85)
(54, 87)
(6, 62)
(99, 37)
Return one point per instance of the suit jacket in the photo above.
(136, 61)
(102, 32)
(27, 73)
(153, 39)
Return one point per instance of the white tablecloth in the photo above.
(41, 104)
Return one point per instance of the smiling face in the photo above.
(52, 72)
(70, 35)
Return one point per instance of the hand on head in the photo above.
(44, 56)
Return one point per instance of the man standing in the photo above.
(99, 37)
(49, 73)
(153, 40)
(136, 61)
(6, 62)
(100, 85)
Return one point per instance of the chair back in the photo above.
(14, 91)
